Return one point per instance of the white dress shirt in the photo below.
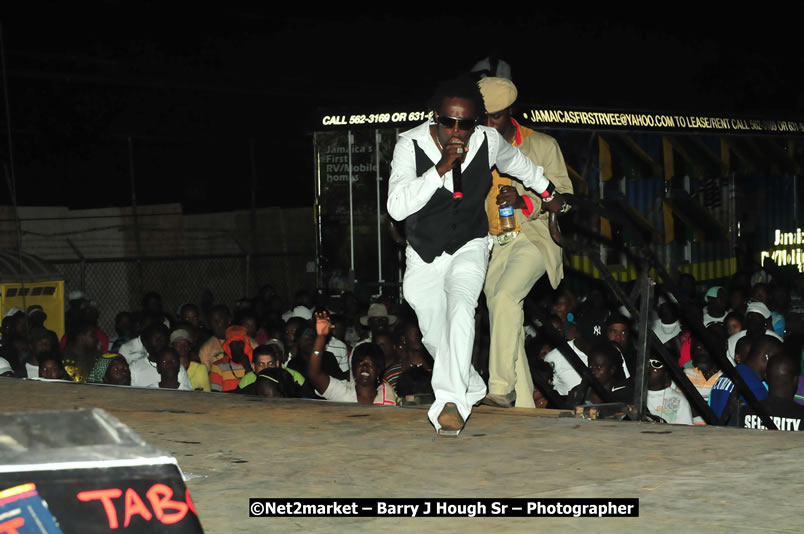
(145, 375)
(408, 192)
(133, 350)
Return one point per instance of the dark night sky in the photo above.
(193, 84)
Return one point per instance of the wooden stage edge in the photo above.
(231, 447)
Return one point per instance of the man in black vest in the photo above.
(448, 242)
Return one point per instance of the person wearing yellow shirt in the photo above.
(199, 376)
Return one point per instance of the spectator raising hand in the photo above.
(368, 365)
(323, 326)
(317, 376)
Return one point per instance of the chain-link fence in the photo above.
(119, 284)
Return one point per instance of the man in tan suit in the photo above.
(520, 256)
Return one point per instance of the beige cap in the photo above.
(498, 93)
(179, 334)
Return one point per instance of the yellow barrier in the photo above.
(710, 270)
(49, 295)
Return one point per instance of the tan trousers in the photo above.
(513, 269)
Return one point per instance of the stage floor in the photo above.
(697, 479)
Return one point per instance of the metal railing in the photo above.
(647, 260)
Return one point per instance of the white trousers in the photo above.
(444, 296)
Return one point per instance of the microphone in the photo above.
(457, 193)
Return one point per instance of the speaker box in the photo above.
(83, 471)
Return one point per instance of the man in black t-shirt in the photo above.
(782, 377)
(605, 363)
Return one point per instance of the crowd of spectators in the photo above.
(334, 347)
(256, 347)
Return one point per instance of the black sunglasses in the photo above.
(463, 124)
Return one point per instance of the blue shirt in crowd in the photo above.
(724, 386)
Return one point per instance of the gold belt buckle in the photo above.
(506, 238)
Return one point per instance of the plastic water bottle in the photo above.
(507, 221)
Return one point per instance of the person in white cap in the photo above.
(756, 323)
(12, 311)
(716, 307)
(298, 311)
(182, 342)
(447, 232)
(666, 326)
(522, 254)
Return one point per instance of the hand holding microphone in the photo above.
(452, 156)
(454, 150)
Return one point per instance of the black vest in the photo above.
(445, 224)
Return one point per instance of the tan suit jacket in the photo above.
(543, 150)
